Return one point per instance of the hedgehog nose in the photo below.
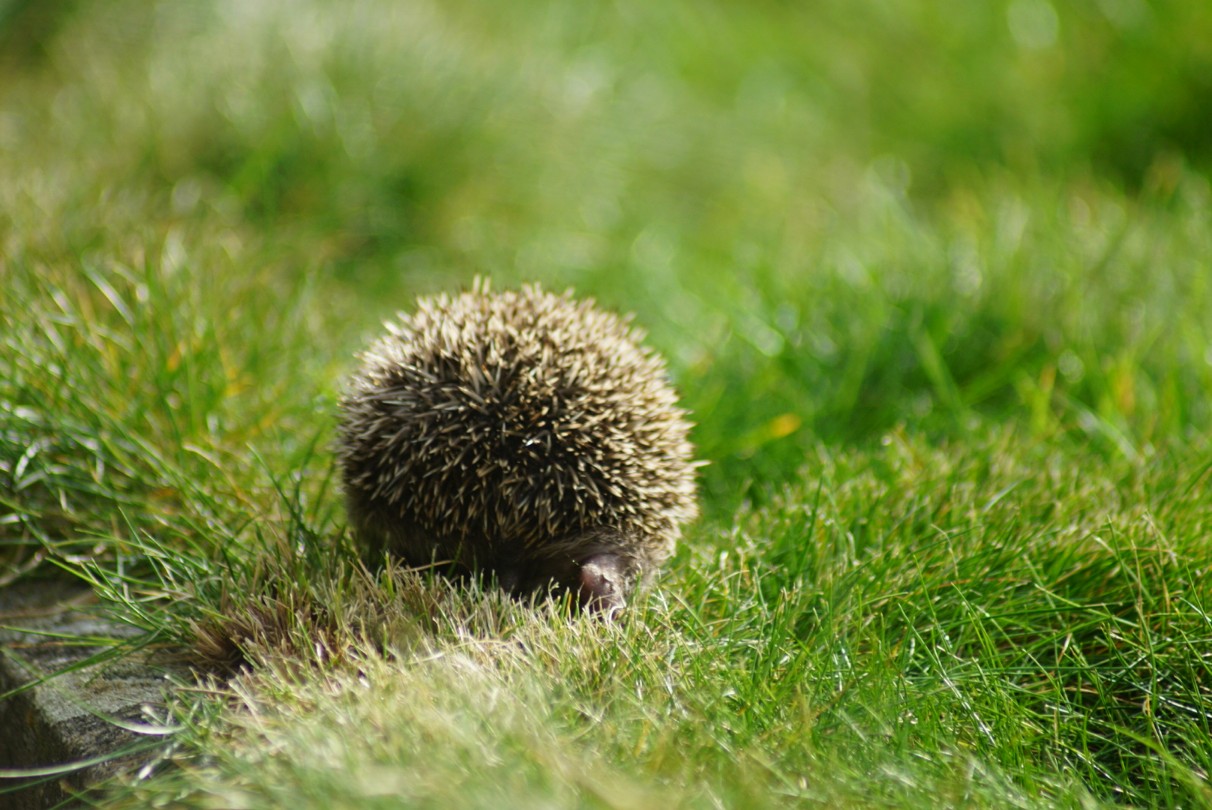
(601, 584)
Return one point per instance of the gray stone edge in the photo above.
(62, 711)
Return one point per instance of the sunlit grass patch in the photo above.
(996, 621)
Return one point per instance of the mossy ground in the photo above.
(935, 284)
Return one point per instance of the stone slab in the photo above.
(67, 716)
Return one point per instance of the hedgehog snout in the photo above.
(594, 566)
(603, 584)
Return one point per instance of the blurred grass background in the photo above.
(834, 218)
(850, 226)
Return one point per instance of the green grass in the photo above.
(934, 285)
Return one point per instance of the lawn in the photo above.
(934, 281)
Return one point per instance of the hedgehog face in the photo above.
(599, 583)
(594, 566)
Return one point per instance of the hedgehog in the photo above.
(520, 435)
